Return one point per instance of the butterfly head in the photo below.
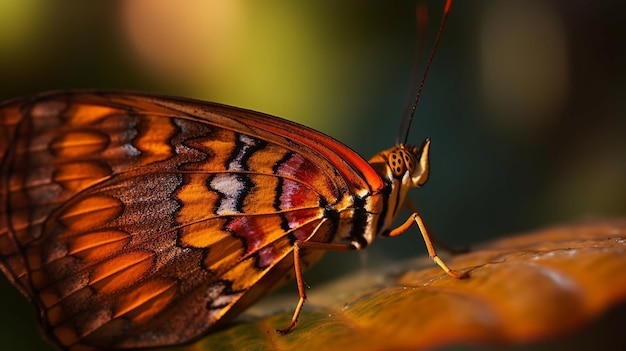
(401, 167)
(410, 163)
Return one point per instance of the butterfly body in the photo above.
(134, 220)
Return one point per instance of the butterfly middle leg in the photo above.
(297, 248)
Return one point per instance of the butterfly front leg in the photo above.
(297, 249)
(428, 239)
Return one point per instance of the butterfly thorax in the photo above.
(401, 167)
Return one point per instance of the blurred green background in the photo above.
(525, 102)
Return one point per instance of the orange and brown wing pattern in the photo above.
(133, 220)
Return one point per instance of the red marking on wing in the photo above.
(247, 228)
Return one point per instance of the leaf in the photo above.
(523, 289)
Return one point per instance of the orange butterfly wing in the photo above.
(133, 220)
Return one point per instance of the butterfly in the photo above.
(137, 220)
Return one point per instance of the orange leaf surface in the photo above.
(523, 289)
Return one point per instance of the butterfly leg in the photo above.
(428, 240)
(297, 248)
(454, 251)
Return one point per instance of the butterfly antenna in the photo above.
(421, 14)
(446, 10)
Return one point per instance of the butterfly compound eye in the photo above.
(398, 162)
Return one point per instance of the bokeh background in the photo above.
(525, 103)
